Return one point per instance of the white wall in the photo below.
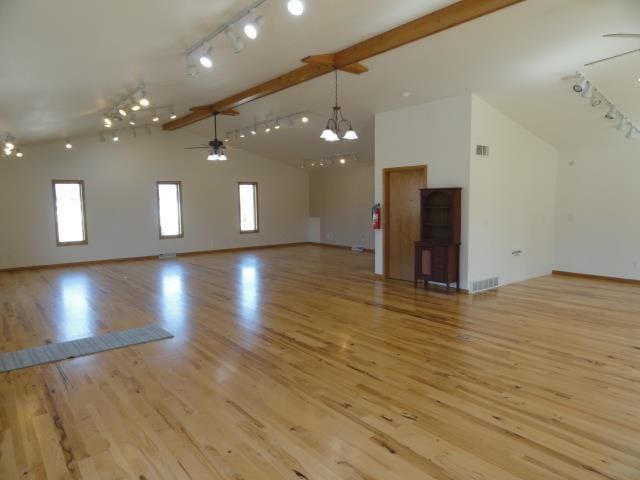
(121, 200)
(436, 134)
(598, 214)
(513, 199)
(341, 198)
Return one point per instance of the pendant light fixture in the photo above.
(217, 153)
(337, 123)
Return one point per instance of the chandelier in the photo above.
(337, 124)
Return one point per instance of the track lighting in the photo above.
(172, 114)
(295, 7)
(622, 123)
(115, 137)
(8, 151)
(270, 125)
(135, 107)
(580, 85)
(611, 114)
(267, 129)
(122, 111)
(191, 68)
(68, 145)
(242, 135)
(631, 132)
(154, 116)
(144, 101)
(595, 99)
(277, 125)
(252, 27)
(206, 59)
(253, 131)
(18, 153)
(588, 90)
(343, 161)
(132, 119)
(236, 42)
(107, 121)
(305, 119)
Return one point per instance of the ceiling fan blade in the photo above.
(622, 35)
(611, 58)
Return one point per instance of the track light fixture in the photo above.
(295, 7)
(236, 42)
(337, 123)
(144, 100)
(132, 119)
(339, 160)
(580, 85)
(611, 114)
(135, 107)
(172, 114)
(206, 59)
(18, 153)
(154, 116)
(252, 27)
(586, 89)
(115, 137)
(68, 145)
(268, 125)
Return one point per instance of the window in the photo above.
(69, 210)
(248, 192)
(170, 209)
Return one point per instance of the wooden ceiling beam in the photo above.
(349, 58)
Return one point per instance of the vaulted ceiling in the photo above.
(64, 63)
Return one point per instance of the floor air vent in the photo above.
(482, 285)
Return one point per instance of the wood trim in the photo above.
(348, 58)
(84, 212)
(384, 209)
(628, 281)
(179, 185)
(88, 263)
(341, 247)
(256, 207)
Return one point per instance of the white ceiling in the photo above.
(62, 64)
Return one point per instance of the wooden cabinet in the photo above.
(437, 253)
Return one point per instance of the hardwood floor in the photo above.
(296, 363)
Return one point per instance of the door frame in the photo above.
(385, 209)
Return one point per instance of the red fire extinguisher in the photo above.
(375, 216)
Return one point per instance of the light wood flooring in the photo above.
(297, 363)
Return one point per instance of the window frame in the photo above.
(256, 208)
(83, 206)
(180, 215)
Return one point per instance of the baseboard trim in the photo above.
(88, 263)
(629, 281)
(342, 247)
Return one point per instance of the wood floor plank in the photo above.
(297, 363)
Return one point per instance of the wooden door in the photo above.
(402, 223)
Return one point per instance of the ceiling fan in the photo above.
(617, 35)
(217, 148)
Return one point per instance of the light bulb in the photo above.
(252, 28)
(295, 7)
(122, 111)
(68, 145)
(350, 135)
(327, 133)
(242, 135)
(18, 154)
(144, 101)
(206, 59)
(305, 119)
(115, 137)
(107, 121)
(135, 107)
(343, 161)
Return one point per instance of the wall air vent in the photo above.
(482, 150)
(483, 285)
(162, 256)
